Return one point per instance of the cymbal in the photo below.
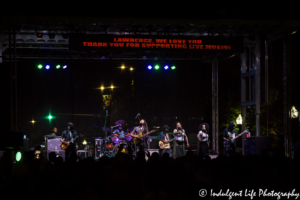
(120, 122)
(49, 135)
(106, 129)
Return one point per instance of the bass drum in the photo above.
(124, 150)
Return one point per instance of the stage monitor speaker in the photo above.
(151, 151)
(255, 145)
(60, 153)
(82, 154)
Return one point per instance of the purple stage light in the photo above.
(65, 67)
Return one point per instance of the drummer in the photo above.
(120, 132)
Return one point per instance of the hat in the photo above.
(70, 124)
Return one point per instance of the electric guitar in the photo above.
(162, 144)
(140, 137)
(64, 146)
(232, 140)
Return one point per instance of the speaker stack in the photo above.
(98, 147)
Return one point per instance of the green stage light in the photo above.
(40, 66)
(18, 156)
(173, 67)
(156, 67)
(57, 66)
(50, 117)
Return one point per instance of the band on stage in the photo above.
(172, 143)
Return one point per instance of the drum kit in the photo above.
(113, 142)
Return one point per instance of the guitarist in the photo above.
(229, 133)
(143, 128)
(71, 135)
(165, 138)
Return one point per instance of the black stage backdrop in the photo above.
(160, 96)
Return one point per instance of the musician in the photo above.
(54, 131)
(71, 135)
(179, 135)
(229, 133)
(120, 132)
(143, 128)
(203, 138)
(165, 138)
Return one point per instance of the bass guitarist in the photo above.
(228, 134)
(143, 128)
(69, 135)
(166, 139)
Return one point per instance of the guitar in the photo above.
(139, 137)
(162, 144)
(64, 146)
(231, 140)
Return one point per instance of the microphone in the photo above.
(137, 115)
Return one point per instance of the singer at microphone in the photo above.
(180, 136)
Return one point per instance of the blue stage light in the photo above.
(166, 67)
(47, 67)
(149, 67)
(65, 67)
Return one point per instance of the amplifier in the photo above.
(153, 142)
(60, 153)
(53, 144)
(256, 145)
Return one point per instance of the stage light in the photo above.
(40, 66)
(149, 67)
(65, 67)
(32, 121)
(84, 142)
(50, 117)
(156, 67)
(131, 69)
(123, 67)
(173, 67)
(112, 87)
(57, 66)
(166, 67)
(47, 67)
(102, 88)
(18, 156)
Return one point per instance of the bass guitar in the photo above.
(162, 144)
(140, 137)
(232, 140)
